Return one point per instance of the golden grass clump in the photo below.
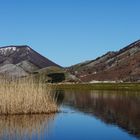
(24, 96)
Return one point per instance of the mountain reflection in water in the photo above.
(121, 108)
(23, 127)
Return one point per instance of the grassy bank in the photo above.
(25, 97)
(101, 86)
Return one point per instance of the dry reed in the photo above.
(25, 96)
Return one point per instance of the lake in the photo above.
(84, 115)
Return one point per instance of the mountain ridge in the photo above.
(118, 66)
(122, 65)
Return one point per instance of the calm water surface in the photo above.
(85, 115)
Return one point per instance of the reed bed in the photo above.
(25, 96)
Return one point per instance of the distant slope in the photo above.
(12, 70)
(123, 65)
(54, 74)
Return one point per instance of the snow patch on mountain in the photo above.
(6, 50)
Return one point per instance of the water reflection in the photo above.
(24, 127)
(112, 107)
(59, 96)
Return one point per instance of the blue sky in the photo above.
(70, 31)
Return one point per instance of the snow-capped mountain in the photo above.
(21, 60)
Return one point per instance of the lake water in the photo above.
(85, 115)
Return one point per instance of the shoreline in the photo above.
(98, 86)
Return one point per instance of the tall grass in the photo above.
(25, 96)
